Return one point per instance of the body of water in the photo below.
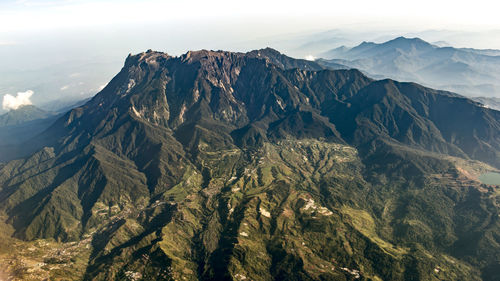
(490, 178)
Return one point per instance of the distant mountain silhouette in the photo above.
(17, 126)
(466, 71)
(490, 102)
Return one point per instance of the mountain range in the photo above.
(217, 165)
(19, 125)
(470, 72)
(493, 103)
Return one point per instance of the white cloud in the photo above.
(65, 87)
(310, 57)
(14, 102)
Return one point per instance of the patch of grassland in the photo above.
(363, 222)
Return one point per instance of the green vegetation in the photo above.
(224, 166)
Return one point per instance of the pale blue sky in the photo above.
(240, 21)
(29, 15)
(70, 48)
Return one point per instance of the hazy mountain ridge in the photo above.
(493, 103)
(23, 114)
(18, 126)
(467, 71)
(223, 166)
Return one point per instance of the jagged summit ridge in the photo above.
(214, 76)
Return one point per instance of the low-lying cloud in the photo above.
(14, 102)
(310, 58)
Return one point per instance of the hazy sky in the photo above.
(68, 49)
(241, 20)
(31, 15)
